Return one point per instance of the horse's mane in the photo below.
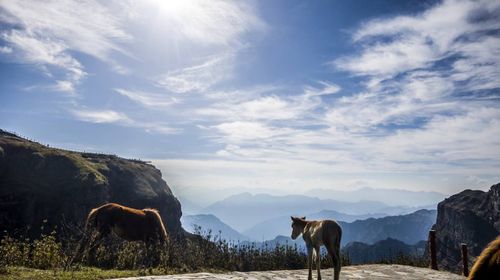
(486, 262)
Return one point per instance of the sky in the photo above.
(263, 96)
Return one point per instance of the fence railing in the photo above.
(435, 248)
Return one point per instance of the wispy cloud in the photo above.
(5, 49)
(269, 104)
(148, 99)
(120, 118)
(218, 30)
(428, 103)
(103, 116)
(198, 78)
(208, 22)
(45, 33)
(448, 30)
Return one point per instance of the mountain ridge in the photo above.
(390, 196)
(244, 210)
(209, 222)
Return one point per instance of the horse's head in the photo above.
(157, 227)
(298, 225)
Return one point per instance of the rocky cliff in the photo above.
(471, 217)
(53, 187)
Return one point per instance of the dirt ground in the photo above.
(375, 272)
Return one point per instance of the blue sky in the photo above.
(274, 96)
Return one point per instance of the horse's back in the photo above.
(332, 226)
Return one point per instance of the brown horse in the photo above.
(317, 233)
(127, 223)
(487, 265)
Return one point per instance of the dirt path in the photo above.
(375, 272)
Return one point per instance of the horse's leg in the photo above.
(318, 261)
(338, 264)
(334, 253)
(309, 260)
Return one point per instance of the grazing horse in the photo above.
(315, 234)
(487, 265)
(127, 223)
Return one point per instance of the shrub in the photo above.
(47, 253)
(14, 252)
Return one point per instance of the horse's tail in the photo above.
(487, 262)
(90, 223)
(155, 218)
(339, 239)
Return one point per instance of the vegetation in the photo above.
(49, 257)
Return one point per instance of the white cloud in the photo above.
(419, 41)
(45, 32)
(148, 99)
(101, 116)
(5, 49)
(88, 27)
(266, 104)
(119, 118)
(64, 86)
(241, 132)
(416, 113)
(198, 78)
(211, 34)
(418, 66)
(45, 51)
(207, 22)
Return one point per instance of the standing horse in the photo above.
(127, 223)
(315, 234)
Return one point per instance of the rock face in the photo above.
(53, 187)
(471, 217)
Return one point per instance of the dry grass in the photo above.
(48, 257)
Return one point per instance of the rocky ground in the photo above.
(374, 272)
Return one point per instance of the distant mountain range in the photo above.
(245, 210)
(410, 228)
(278, 226)
(210, 222)
(387, 249)
(392, 197)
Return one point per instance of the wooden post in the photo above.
(432, 249)
(465, 260)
